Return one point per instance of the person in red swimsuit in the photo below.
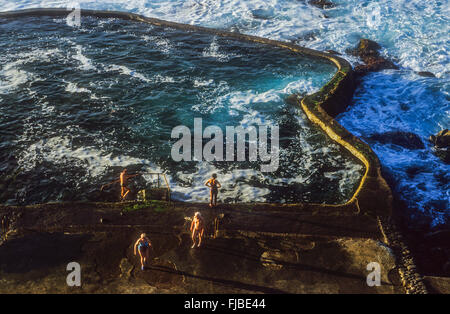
(214, 186)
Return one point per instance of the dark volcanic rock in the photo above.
(367, 50)
(307, 36)
(439, 205)
(443, 154)
(404, 107)
(442, 139)
(374, 64)
(434, 249)
(333, 52)
(440, 237)
(426, 74)
(405, 139)
(322, 4)
(292, 100)
(441, 142)
(414, 171)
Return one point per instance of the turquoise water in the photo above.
(414, 33)
(79, 104)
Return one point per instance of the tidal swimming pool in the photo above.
(77, 104)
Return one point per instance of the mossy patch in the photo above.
(157, 206)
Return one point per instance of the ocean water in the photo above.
(79, 104)
(413, 33)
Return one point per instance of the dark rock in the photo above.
(261, 14)
(232, 262)
(322, 4)
(437, 205)
(404, 107)
(405, 139)
(367, 50)
(442, 177)
(292, 100)
(413, 171)
(333, 52)
(374, 64)
(442, 139)
(126, 268)
(441, 143)
(443, 154)
(440, 237)
(308, 36)
(446, 268)
(426, 74)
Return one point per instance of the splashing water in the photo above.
(108, 95)
(414, 33)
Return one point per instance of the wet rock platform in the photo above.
(249, 248)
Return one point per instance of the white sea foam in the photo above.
(213, 51)
(243, 102)
(158, 78)
(202, 83)
(85, 62)
(12, 75)
(126, 71)
(11, 78)
(300, 86)
(73, 88)
(234, 185)
(59, 149)
(159, 43)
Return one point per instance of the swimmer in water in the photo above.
(214, 186)
(197, 229)
(143, 245)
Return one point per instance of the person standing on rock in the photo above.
(214, 186)
(124, 190)
(143, 245)
(197, 229)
